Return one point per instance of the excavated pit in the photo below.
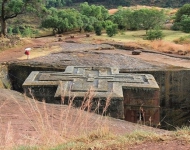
(174, 82)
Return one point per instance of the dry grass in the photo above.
(52, 129)
(170, 47)
(183, 134)
(112, 11)
(171, 42)
(105, 140)
(70, 129)
(168, 11)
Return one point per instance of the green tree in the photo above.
(111, 30)
(176, 26)
(98, 28)
(58, 3)
(12, 8)
(96, 16)
(122, 18)
(184, 10)
(99, 12)
(135, 20)
(51, 21)
(88, 23)
(89, 28)
(63, 20)
(185, 23)
(181, 21)
(151, 18)
(139, 19)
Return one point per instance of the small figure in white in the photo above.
(27, 52)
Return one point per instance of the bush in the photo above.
(111, 30)
(10, 30)
(179, 40)
(154, 34)
(18, 31)
(182, 40)
(176, 26)
(185, 24)
(89, 28)
(98, 29)
(27, 32)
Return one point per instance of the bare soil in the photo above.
(25, 121)
(18, 116)
(51, 45)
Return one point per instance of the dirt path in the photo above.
(40, 47)
(45, 46)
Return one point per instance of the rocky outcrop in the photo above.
(4, 79)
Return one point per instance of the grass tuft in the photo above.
(183, 134)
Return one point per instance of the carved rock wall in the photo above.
(174, 96)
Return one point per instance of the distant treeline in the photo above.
(116, 3)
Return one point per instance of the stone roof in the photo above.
(104, 82)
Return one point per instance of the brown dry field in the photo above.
(45, 46)
(17, 113)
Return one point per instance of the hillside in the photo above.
(160, 3)
(116, 3)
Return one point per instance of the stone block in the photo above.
(127, 92)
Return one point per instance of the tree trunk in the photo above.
(3, 27)
(2, 19)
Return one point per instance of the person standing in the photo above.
(27, 52)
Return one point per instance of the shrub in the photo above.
(176, 26)
(89, 28)
(18, 31)
(10, 30)
(185, 24)
(111, 30)
(27, 32)
(154, 34)
(98, 29)
(180, 40)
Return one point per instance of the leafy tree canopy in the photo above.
(184, 10)
(185, 23)
(182, 19)
(150, 18)
(99, 12)
(139, 19)
(12, 8)
(116, 3)
(63, 20)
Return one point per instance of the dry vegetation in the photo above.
(168, 11)
(57, 127)
(170, 47)
(174, 42)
